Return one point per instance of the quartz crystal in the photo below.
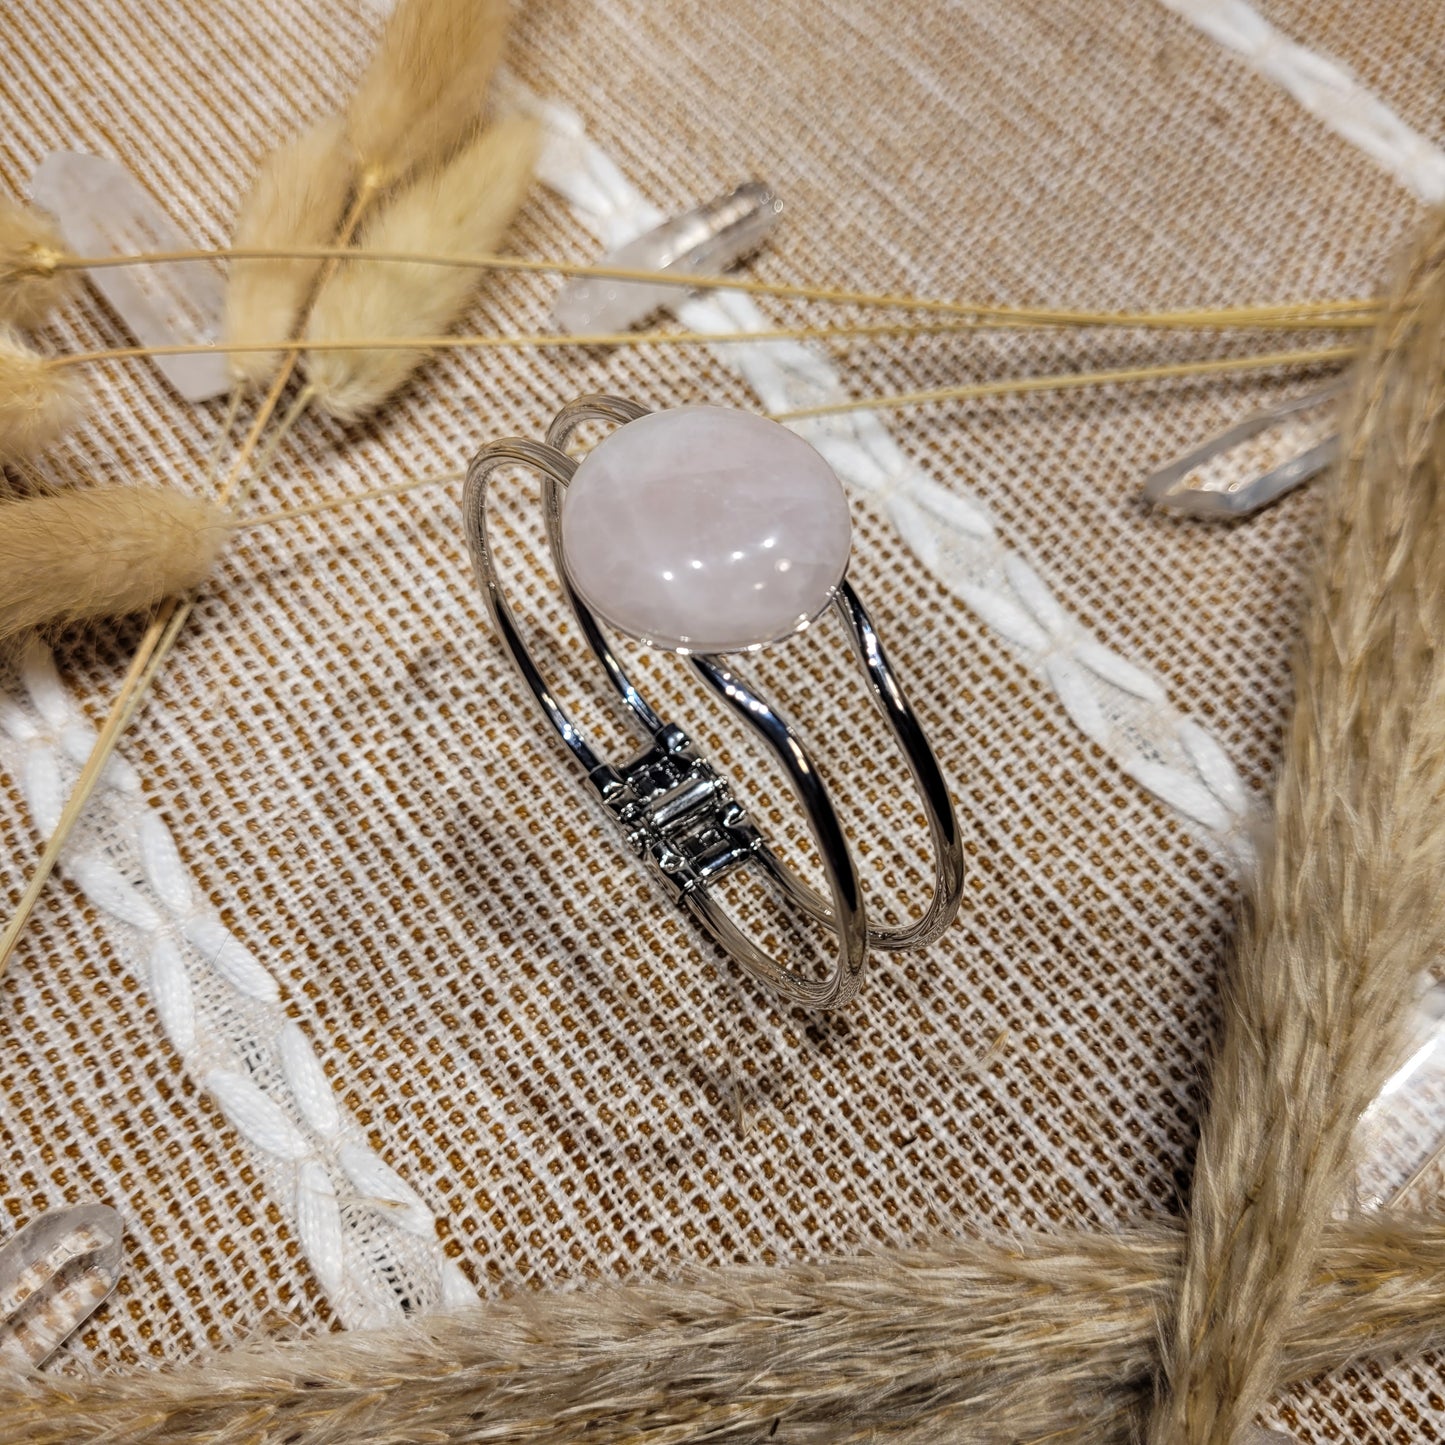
(704, 529)
(702, 242)
(102, 210)
(53, 1275)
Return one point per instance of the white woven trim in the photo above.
(1112, 701)
(1325, 88)
(368, 1236)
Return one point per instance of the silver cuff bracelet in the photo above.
(710, 531)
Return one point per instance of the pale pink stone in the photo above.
(705, 529)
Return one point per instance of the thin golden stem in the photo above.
(1071, 380)
(1432, 1161)
(241, 462)
(1274, 314)
(159, 638)
(334, 504)
(547, 340)
(281, 430)
(174, 621)
(1009, 386)
(515, 341)
(223, 432)
(84, 786)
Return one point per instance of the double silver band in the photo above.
(674, 810)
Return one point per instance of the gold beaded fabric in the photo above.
(514, 1017)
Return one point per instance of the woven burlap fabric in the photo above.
(521, 1024)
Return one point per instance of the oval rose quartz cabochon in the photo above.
(705, 529)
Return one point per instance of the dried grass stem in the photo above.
(1349, 911)
(1046, 1337)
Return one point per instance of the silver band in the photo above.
(675, 811)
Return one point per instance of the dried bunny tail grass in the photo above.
(1045, 1337)
(31, 283)
(39, 402)
(465, 207)
(1349, 911)
(298, 199)
(102, 552)
(425, 87)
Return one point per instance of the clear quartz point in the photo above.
(103, 210)
(1254, 462)
(1399, 1144)
(53, 1275)
(702, 242)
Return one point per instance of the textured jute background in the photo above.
(520, 1024)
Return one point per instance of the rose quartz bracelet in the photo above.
(708, 531)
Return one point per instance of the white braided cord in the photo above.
(1325, 88)
(369, 1237)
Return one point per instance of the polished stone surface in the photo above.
(705, 529)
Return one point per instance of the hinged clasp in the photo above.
(678, 813)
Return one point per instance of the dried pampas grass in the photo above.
(465, 207)
(31, 286)
(1349, 911)
(102, 553)
(39, 402)
(424, 89)
(299, 199)
(1044, 1338)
